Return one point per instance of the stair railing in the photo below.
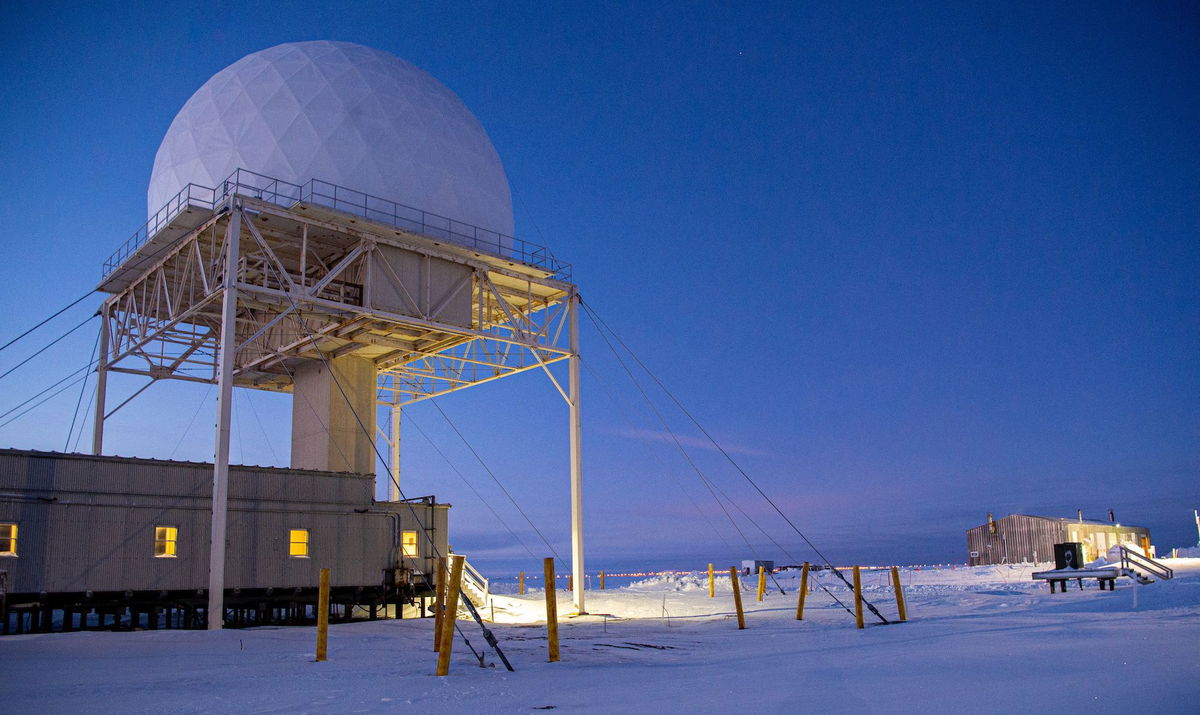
(475, 580)
(1131, 559)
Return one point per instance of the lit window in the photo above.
(8, 539)
(408, 543)
(164, 541)
(298, 543)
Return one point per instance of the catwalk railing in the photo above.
(322, 193)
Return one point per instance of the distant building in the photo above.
(750, 566)
(1021, 538)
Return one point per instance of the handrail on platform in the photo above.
(340, 198)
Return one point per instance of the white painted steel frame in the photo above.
(165, 325)
(220, 493)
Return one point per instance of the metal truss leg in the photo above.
(101, 383)
(393, 487)
(220, 495)
(576, 460)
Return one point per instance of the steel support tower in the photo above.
(263, 284)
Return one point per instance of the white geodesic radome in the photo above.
(340, 113)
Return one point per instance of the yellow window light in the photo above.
(8, 539)
(408, 544)
(165, 538)
(298, 543)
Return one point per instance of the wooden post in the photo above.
(858, 606)
(711, 590)
(443, 663)
(323, 616)
(762, 582)
(571, 582)
(521, 583)
(737, 596)
(601, 579)
(439, 602)
(803, 592)
(551, 610)
(899, 593)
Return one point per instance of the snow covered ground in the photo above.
(978, 639)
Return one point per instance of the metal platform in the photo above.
(308, 266)
(194, 203)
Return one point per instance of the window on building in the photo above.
(408, 544)
(164, 541)
(298, 543)
(8, 539)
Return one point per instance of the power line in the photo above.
(90, 402)
(60, 311)
(469, 485)
(46, 347)
(48, 389)
(82, 389)
(495, 479)
(663, 387)
(712, 489)
(192, 421)
(61, 390)
(611, 395)
(266, 437)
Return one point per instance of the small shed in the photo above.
(1019, 538)
(750, 566)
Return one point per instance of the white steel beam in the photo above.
(576, 458)
(220, 493)
(101, 383)
(393, 487)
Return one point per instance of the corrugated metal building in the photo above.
(1020, 538)
(84, 528)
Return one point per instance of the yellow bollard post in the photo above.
(323, 616)
(443, 663)
(803, 592)
(737, 596)
(439, 602)
(521, 583)
(711, 590)
(762, 582)
(602, 579)
(858, 606)
(551, 611)
(899, 594)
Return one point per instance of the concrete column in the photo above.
(333, 420)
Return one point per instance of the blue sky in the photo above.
(910, 264)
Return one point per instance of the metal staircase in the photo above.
(1140, 568)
